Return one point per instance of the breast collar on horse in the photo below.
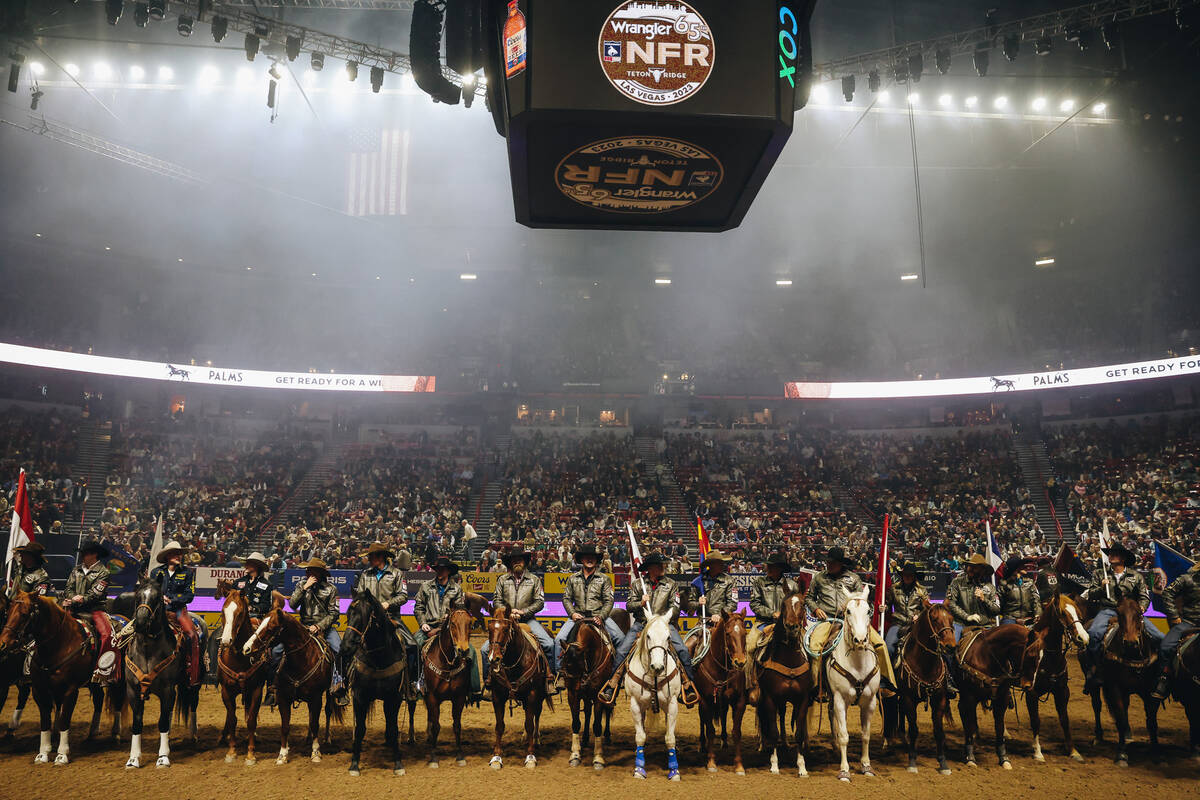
(586, 678)
(442, 673)
(923, 687)
(147, 679)
(368, 671)
(772, 664)
(1150, 652)
(643, 657)
(501, 670)
(977, 674)
(322, 648)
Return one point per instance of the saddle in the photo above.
(820, 639)
(701, 648)
(1110, 654)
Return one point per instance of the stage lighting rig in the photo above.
(1110, 34)
(185, 25)
(292, 47)
(251, 46)
(14, 71)
(1012, 46)
(220, 27)
(873, 81)
(376, 79)
(980, 60)
(113, 10)
(141, 15)
(317, 61)
(942, 60)
(900, 72)
(158, 10)
(352, 71)
(916, 66)
(424, 47)
(1081, 37)
(848, 82)
(1043, 45)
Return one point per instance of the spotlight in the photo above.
(1000, 102)
(873, 81)
(317, 62)
(71, 70)
(885, 96)
(916, 65)
(185, 26)
(376, 79)
(136, 73)
(101, 71)
(971, 101)
(251, 46)
(141, 15)
(165, 73)
(292, 47)
(980, 59)
(220, 27)
(14, 76)
(36, 68)
(945, 101)
(158, 9)
(942, 59)
(1067, 106)
(352, 70)
(848, 82)
(818, 95)
(1042, 46)
(900, 72)
(113, 10)
(1110, 33)
(1012, 46)
(1080, 37)
(1039, 104)
(913, 98)
(1099, 108)
(35, 98)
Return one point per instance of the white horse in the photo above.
(853, 673)
(653, 682)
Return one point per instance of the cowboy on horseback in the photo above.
(718, 591)
(386, 583)
(523, 595)
(29, 573)
(435, 600)
(766, 601)
(654, 595)
(176, 582)
(1020, 600)
(85, 595)
(825, 602)
(971, 599)
(907, 599)
(1105, 592)
(254, 585)
(316, 600)
(588, 595)
(1181, 601)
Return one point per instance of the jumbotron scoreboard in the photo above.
(647, 114)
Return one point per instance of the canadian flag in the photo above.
(21, 532)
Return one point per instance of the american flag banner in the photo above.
(377, 173)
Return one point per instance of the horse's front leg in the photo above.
(166, 705)
(285, 725)
(841, 733)
(533, 705)
(999, 707)
(457, 705)
(639, 738)
(600, 715)
(941, 706)
(391, 710)
(137, 709)
(498, 700)
(1062, 695)
(579, 733)
(314, 725)
(708, 733)
(1151, 706)
(866, 719)
(97, 695)
(1118, 706)
(909, 710)
(1032, 708)
(253, 700)
(739, 712)
(360, 730)
(1098, 731)
(45, 703)
(801, 715)
(63, 725)
(967, 709)
(433, 726)
(228, 732)
(672, 715)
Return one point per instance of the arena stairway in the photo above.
(683, 519)
(848, 500)
(94, 448)
(304, 490)
(482, 504)
(1030, 452)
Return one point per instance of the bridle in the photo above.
(937, 634)
(499, 651)
(853, 643)
(151, 612)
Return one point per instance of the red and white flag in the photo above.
(156, 545)
(377, 176)
(882, 575)
(635, 557)
(21, 532)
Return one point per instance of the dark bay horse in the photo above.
(377, 670)
(1128, 668)
(721, 683)
(154, 664)
(784, 678)
(12, 669)
(239, 674)
(922, 676)
(302, 677)
(587, 663)
(516, 671)
(1186, 688)
(447, 677)
(992, 661)
(1059, 625)
(64, 658)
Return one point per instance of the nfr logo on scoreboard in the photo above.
(649, 114)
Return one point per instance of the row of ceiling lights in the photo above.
(820, 95)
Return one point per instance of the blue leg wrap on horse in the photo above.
(639, 758)
(672, 760)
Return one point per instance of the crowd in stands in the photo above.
(43, 443)
(1141, 476)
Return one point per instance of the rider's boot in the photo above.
(612, 687)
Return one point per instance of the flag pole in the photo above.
(881, 575)
(1104, 543)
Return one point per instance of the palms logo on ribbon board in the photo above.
(639, 174)
(657, 53)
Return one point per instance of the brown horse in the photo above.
(1128, 669)
(785, 677)
(1186, 687)
(587, 663)
(992, 662)
(721, 683)
(12, 665)
(302, 677)
(239, 675)
(516, 671)
(922, 676)
(64, 659)
(1058, 626)
(448, 677)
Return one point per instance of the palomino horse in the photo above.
(922, 676)
(154, 664)
(516, 671)
(993, 661)
(587, 663)
(653, 682)
(721, 684)
(378, 671)
(1186, 687)
(63, 662)
(448, 677)
(852, 674)
(784, 677)
(239, 675)
(1127, 669)
(12, 667)
(1059, 624)
(302, 677)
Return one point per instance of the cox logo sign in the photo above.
(788, 48)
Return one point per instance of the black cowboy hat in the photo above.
(836, 554)
(651, 560)
(1013, 564)
(911, 567)
(778, 559)
(93, 546)
(585, 550)
(515, 553)
(1118, 549)
(33, 548)
(445, 563)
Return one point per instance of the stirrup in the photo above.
(688, 694)
(608, 692)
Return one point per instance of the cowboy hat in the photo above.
(911, 567)
(168, 550)
(314, 563)
(33, 548)
(585, 550)
(378, 547)
(93, 546)
(836, 554)
(1013, 564)
(978, 560)
(255, 558)
(445, 563)
(651, 560)
(515, 553)
(778, 559)
(1118, 549)
(715, 557)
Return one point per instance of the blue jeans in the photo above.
(560, 641)
(958, 629)
(539, 633)
(1007, 621)
(1100, 626)
(1170, 643)
(681, 652)
(892, 640)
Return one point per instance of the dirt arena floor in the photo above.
(97, 771)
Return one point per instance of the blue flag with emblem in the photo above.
(1169, 564)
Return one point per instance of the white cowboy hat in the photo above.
(169, 549)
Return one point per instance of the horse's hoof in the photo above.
(229, 758)
(972, 764)
(740, 771)
(639, 773)
(673, 776)
(801, 774)
(774, 770)
(250, 762)
(1076, 755)
(432, 765)
(41, 758)
(868, 772)
(574, 762)
(496, 763)
(530, 762)
(280, 761)
(133, 763)
(1121, 762)
(913, 770)
(60, 760)
(398, 771)
(711, 769)
(844, 776)
(163, 762)
(354, 772)
(462, 762)
(316, 759)
(1006, 764)
(597, 765)
(940, 771)
(1041, 759)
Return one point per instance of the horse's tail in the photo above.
(549, 702)
(336, 712)
(114, 699)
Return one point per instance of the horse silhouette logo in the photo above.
(176, 372)
(1006, 385)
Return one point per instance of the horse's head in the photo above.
(224, 587)
(1129, 623)
(856, 627)
(500, 629)
(235, 611)
(941, 626)
(656, 639)
(359, 617)
(459, 625)
(1070, 614)
(270, 627)
(21, 616)
(733, 630)
(791, 617)
(148, 596)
